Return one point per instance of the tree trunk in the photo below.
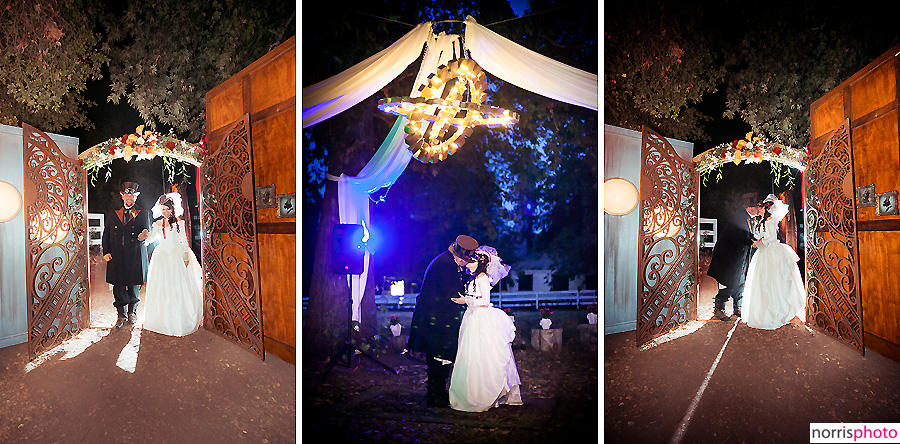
(325, 322)
(352, 144)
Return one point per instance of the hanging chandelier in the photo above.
(449, 105)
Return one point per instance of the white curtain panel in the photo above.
(529, 70)
(386, 165)
(341, 91)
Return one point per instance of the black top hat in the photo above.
(464, 248)
(129, 188)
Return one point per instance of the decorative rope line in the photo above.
(383, 18)
(682, 426)
(527, 15)
(456, 21)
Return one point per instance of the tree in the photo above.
(783, 63)
(552, 156)
(48, 51)
(659, 64)
(166, 54)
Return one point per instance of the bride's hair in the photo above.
(483, 259)
(173, 219)
(766, 214)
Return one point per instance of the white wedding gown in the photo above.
(774, 291)
(174, 301)
(484, 373)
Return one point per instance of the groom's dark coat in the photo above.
(129, 255)
(435, 322)
(731, 255)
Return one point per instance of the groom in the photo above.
(435, 322)
(731, 256)
(125, 253)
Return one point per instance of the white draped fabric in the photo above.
(529, 70)
(385, 166)
(497, 55)
(341, 91)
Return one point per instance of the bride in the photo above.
(484, 373)
(174, 297)
(774, 294)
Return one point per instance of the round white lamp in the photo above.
(620, 196)
(665, 222)
(49, 226)
(10, 201)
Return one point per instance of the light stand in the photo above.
(348, 347)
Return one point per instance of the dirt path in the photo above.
(139, 386)
(767, 387)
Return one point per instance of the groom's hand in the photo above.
(460, 300)
(143, 235)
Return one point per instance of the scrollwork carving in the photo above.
(56, 265)
(832, 261)
(230, 257)
(667, 241)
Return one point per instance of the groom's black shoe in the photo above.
(131, 317)
(737, 312)
(437, 400)
(720, 315)
(121, 321)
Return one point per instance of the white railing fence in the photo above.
(522, 299)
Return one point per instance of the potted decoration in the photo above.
(545, 318)
(395, 326)
(592, 314)
(546, 338)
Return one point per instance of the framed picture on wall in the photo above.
(287, 205)
(865, 196)
(265, 197)
(886, 204)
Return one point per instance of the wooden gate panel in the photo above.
(832, 258)
(667, 270)
(56, 245)
(230, 252)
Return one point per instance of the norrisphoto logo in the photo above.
(854, 432)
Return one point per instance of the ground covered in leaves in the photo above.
(366, 402)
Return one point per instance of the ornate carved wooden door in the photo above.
(56, 245)
(832, 257)
(667, 241)
(230, 256)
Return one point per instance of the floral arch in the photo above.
(751, 150)
(142, 145)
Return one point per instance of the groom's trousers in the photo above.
(724, 294)
(438, 373)
(126, 296)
